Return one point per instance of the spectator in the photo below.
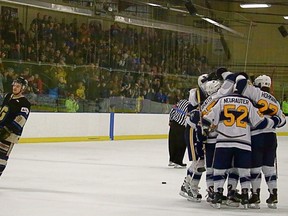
(105, 92)
(37, 84)
(80, 91)
(9, 76)
(161, 97)
(71, 104)
(62, 87)
(285, 106)
(17, 52)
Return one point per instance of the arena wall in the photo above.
(72, 127)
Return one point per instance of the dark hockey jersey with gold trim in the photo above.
(13, 115)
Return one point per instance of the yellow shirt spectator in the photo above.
(80, 91)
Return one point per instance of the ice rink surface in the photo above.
(121, 178)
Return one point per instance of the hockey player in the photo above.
(194, 143)
(231, 118)
(233, 177)
(211, 88)
(264, 141)
(200, 91)
(193, 133)
(14, 112)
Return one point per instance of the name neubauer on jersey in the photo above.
(236, 100)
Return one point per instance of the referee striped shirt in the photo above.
(179, 112)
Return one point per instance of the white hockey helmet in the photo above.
(202, 79)
(257, 81)
(262, 81)
(212, 86)
(266, 81)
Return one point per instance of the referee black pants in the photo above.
(176, 143)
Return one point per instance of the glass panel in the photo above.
(135, 58)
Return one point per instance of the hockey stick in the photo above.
(191, 142)
(199, 107)
(276, 164)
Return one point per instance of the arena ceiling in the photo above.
(222, 8)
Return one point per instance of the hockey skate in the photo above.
(171, 164)
(217, 200)
(254, 200)
(180, 166)
(232, 199)
(244, 198)
(210, 194)
(184, 189)
(194, 195)
(272, 200)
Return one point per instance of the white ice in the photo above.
(105, 178)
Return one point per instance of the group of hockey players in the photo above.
(230, 134)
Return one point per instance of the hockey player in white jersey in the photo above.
(232, 117)
(194, 138)
(227, 87)
(211, 89)
(264, 141)
(194, 142)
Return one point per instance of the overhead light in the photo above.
(178, 10)
(222, 26)
(153, 5)
(166, 7)
(162, 25)
(255, 5)
(286, 17)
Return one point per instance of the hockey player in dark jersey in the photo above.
(14, 112)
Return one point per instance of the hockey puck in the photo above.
(164, 182)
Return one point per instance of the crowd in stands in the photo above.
(145, 57)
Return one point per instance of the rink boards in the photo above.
(73, 127)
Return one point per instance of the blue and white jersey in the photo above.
(206, 107)
(227, 86)
(232, 117)
(267, 103)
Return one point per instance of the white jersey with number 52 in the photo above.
(233, 116)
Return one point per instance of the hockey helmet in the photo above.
(212, 86)
(262, 81)
(202, 79)
(21, 81)
(265, 81)
(257, 81)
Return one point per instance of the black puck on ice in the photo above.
(164, 182)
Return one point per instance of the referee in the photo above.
(176, 138)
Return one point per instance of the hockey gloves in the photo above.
(220, 71)
(194, 118)
(4, 133)
(276, 120)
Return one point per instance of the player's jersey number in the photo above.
(267, 106)
(208, 108)
(230, 118)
